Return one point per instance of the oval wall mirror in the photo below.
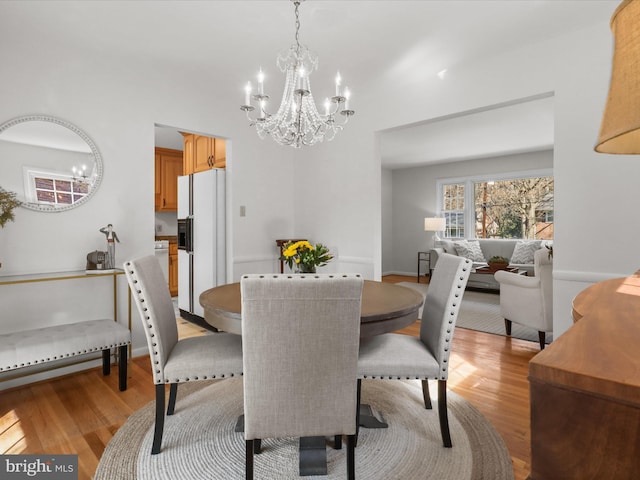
(49, 163)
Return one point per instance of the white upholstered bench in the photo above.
(31, 347)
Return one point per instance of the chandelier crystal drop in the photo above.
(297, 122)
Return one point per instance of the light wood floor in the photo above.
(79, 413)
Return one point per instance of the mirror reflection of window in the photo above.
(50, 164)
(53, 188)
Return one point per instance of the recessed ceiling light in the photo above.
(442, 73)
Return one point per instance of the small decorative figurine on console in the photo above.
(111, 246)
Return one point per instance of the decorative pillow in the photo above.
(524, 250)
(448, 247)
(478, 254)
(470, 249)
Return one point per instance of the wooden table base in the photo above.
(312, 451)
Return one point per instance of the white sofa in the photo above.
(490, 247)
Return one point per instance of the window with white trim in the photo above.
(453, 209)
(519, 205)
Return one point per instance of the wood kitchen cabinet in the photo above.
(173, 269)
(169, 166)
(203, 153)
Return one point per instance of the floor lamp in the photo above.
(434, 224)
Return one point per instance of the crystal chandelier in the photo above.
(297, 122)
(79, 174)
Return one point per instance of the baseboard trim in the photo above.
(404, 274)
(584, 277)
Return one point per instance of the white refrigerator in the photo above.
(201, 239)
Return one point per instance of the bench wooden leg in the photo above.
(106, 361)
(122, 367)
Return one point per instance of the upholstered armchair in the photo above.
(528, 301)
(397, 357)
(300, 337)
(174, 361)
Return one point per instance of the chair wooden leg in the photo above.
(249, 460)
(359, 390)
(442, 413)
(351, 457)
(157, 434)
(425, 395)
(122, 367)
(173, 393)
(257, 446)
(507, 326)
(337, 442)
(542, 338)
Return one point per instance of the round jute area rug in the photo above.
(200, 442)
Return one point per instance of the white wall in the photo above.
(415, 197)
(117, 102)
(339, 198)
(592, 189)
(387, 222)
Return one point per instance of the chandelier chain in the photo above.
(297, 4)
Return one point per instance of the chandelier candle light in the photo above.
(297, 121)
(80, 174)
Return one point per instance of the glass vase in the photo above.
(302, 268)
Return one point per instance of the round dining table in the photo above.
(386, 307)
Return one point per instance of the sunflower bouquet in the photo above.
(304, 256)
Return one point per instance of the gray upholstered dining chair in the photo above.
(300, 336)
(528, 301)
(173, 361)
(397, 356)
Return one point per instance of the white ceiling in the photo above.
(525, 126)
(360, 38)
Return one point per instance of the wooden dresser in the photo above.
(585, 389)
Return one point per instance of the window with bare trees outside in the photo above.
(453, 199)
(520, 207)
